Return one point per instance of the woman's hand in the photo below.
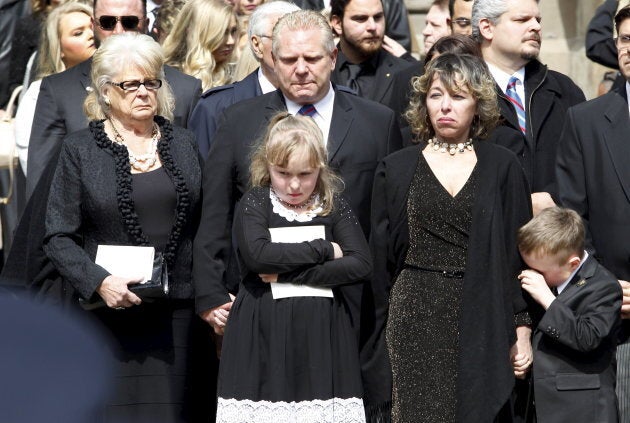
(115, 291)
(393, 47)
(337, 249)
(217, 317)
(521, 355)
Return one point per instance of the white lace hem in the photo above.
(290, 214)
(335, 410)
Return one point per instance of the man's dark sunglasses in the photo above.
(108, 23)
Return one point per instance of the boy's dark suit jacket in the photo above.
(574, 350)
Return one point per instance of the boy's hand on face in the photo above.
(534, 283)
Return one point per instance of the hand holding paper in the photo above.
(115, 292)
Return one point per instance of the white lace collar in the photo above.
(290, 214)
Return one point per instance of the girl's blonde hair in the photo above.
(200, 29)
(288, 135)
(49, 51)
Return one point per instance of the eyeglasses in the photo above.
(462, 22)
(623, 41)
(149, 84)
(108, 23)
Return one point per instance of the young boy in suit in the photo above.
(574, 342)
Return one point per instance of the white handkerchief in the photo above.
(294, 234)
(126, 261)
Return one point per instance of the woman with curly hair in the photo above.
(202, 42)
(445, 215)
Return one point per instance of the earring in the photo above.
(107, 102)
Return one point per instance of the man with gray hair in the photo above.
(533, 99)
(203, 121)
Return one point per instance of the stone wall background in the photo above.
(564, 25)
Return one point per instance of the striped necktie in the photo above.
(307, 110)
(514, 98)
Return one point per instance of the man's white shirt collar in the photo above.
(324, 108)
(265, 85)
(502, 79)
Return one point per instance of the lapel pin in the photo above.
(387, 75)
(581, 282)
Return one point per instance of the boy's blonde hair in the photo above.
(555, 231)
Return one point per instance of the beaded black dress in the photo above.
(422, 329)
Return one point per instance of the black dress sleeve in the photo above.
(64, 221)
(258, 253)
(354, 266)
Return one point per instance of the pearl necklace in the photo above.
(444, 147)
(144, 162)
(306, 204)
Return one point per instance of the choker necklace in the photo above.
(444, 147)
(306, 204)
(144, 162)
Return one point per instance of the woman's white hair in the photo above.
(118, 53)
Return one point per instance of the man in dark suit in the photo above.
(204, 118)
(59, 109)
(575, 339)
(594, 180)
(532, 98)
(362, 63)
(359, 134)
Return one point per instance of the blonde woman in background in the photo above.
(66, 40)
(202, 42)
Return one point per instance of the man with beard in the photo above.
(533, 99)
(594, 180)
(362, 63)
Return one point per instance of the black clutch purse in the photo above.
(151, 290)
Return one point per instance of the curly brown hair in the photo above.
(455, 72)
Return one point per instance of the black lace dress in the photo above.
(422, 329)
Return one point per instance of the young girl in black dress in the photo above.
(293, 357)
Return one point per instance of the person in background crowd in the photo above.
(533, 99)
(165, 19)
(202, 42)
(460, 12)
(204, 119)
(444, 220)
(396, 18)
(59, 105)
(316, 374)
(362, 64)
(437, 24)
(593, 180)
(66, 41)
(244, 9)
(132, 178)
(20, 36)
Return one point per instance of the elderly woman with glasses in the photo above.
(131, 179)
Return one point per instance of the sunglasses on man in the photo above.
(108, 23)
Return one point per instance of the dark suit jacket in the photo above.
(205, 117)
(574, 350)
(59, 112)
(387, 66)
(86, 208)
(400, 92)
(594, 176)
(362, 132)
(548, 95)
(501, 205)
